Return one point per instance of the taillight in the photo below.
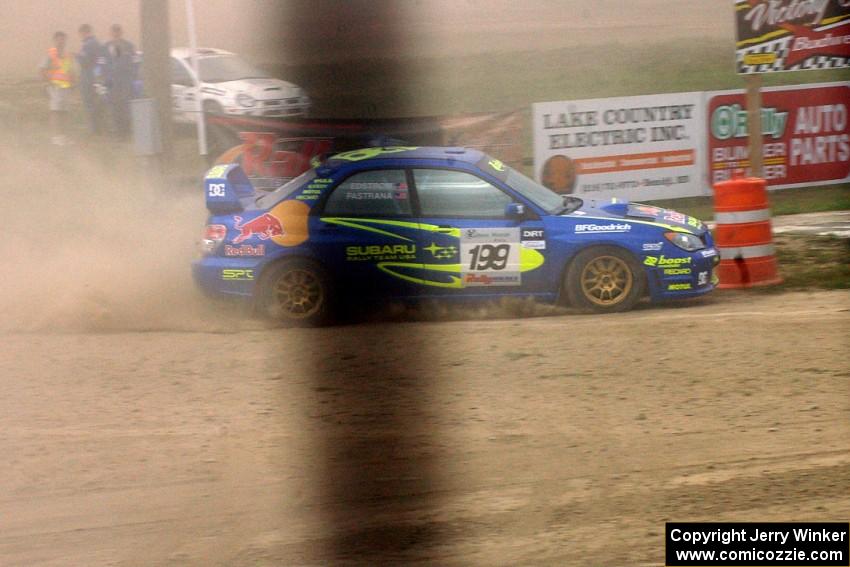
(213, 235)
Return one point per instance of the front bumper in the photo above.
(271, 108)
(682, 276)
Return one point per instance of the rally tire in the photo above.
(296, 293)
(604, 279)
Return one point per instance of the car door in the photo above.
(470, 244)
(367, 234)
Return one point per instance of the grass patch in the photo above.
(491, 82)
(784, 202)
(813, 262)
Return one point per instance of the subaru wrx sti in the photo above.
(417, 222)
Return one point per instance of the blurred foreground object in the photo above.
(743, 234)
(155, 71)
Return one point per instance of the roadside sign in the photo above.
(791, 35)
(638, 147)
(805, 131)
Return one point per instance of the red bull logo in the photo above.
(263, 227)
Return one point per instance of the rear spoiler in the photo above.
(227, 188)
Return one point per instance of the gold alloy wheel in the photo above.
(299, 293)
(606, 280)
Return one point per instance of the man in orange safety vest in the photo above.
(57, 70)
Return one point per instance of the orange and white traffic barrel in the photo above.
(743, 234)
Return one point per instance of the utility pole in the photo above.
(156, 66)
(200, 119)
(754, 124)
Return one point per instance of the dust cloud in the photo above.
(94, 248)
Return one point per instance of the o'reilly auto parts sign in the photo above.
(805, 135)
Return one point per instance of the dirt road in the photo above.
(560, 440)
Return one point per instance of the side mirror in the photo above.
(515, 211)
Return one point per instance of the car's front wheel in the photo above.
(296, 292)
(604, 279)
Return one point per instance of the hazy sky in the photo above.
(318, 30)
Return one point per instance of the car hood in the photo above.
(640, 212)
(261, 89)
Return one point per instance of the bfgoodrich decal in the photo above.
(602, 228)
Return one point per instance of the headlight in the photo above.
(685, 240)
(245, 100)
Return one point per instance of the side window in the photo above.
(378, 193)
(444, 193)
(179, 74)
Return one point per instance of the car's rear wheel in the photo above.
(296, 292)
(604, 279)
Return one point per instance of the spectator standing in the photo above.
(57, 71)
(120, 78)
(91, 60)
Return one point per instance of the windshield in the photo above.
(227, 68)
(269, 199)
(551, 202)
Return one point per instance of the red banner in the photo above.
(274, 150)
(806, 135)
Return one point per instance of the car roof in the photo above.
(185, 52)
(442, 153)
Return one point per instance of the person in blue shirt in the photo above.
(91, 60)
(120, 75)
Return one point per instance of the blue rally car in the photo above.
(408, 222)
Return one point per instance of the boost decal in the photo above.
(664, 262)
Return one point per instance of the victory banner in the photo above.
(791, 35)
(636, 148)
(805, 129)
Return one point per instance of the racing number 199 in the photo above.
(489, 256)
